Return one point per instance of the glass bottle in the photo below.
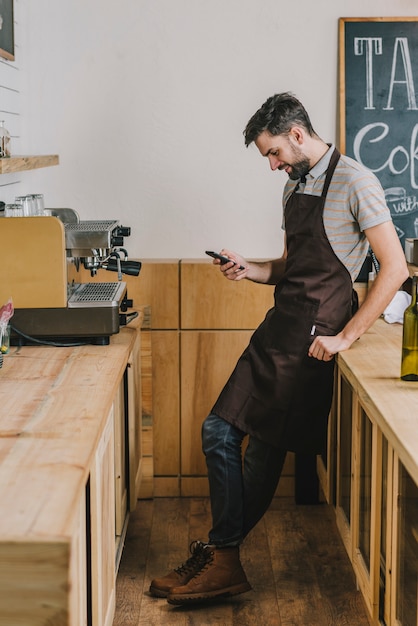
(409, 365)
(4, 141)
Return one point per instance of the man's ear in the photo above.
(296, 133)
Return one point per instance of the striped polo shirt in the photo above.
(355, 201)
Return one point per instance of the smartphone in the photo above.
(223, 259)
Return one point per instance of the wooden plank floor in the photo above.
(294, 560)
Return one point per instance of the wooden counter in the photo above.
(57, 410)
(370, 472)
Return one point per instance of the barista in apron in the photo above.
(277, 393)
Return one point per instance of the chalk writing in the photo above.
(381, 122)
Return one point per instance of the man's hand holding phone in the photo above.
(231, 265)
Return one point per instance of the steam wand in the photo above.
(118, 264)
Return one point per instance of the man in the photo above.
(281, 389)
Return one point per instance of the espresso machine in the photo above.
(41, 270)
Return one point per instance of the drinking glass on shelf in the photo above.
(38, 203)
(20, 200)
(27, 204)
(13, 210)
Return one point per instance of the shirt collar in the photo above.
(322, 165)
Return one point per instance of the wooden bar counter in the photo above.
(370, 473)
(62, 415)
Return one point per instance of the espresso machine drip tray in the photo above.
(97, 295)
(92, 314)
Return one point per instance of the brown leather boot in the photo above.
(160, 587)
(220, 576)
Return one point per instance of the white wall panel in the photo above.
(145, 102)
(11, 106)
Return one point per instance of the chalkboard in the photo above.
(7, 46)
(379, 108)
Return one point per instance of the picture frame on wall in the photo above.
(7, 44)
(378, 108)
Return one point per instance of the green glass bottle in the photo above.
(409, 366)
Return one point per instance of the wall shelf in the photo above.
(22, 163)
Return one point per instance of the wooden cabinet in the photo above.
(372, 460)
(200, 324)
(69, 474)
(113, 488)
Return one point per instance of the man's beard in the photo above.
(299, 168)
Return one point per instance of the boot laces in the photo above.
(196, 561)
(206, 561)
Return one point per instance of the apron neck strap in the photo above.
(330, 171)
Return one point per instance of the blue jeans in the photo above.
(241, 488)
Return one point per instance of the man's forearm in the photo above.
(266, 272)
(381, 293)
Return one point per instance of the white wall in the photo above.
(145, 102)
(11, 104)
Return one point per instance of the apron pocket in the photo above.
(288, 329)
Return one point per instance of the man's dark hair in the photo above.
(277, 116)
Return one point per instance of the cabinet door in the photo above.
(158, 287)
(78, 569)
(207, 360)
(135, 423)
(404, 602)
(121, 478)
(144, 481)
(166, 403)
(344, 461)
(367, 507)
(211, 302)
(102, 505)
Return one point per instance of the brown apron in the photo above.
(277, 393)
